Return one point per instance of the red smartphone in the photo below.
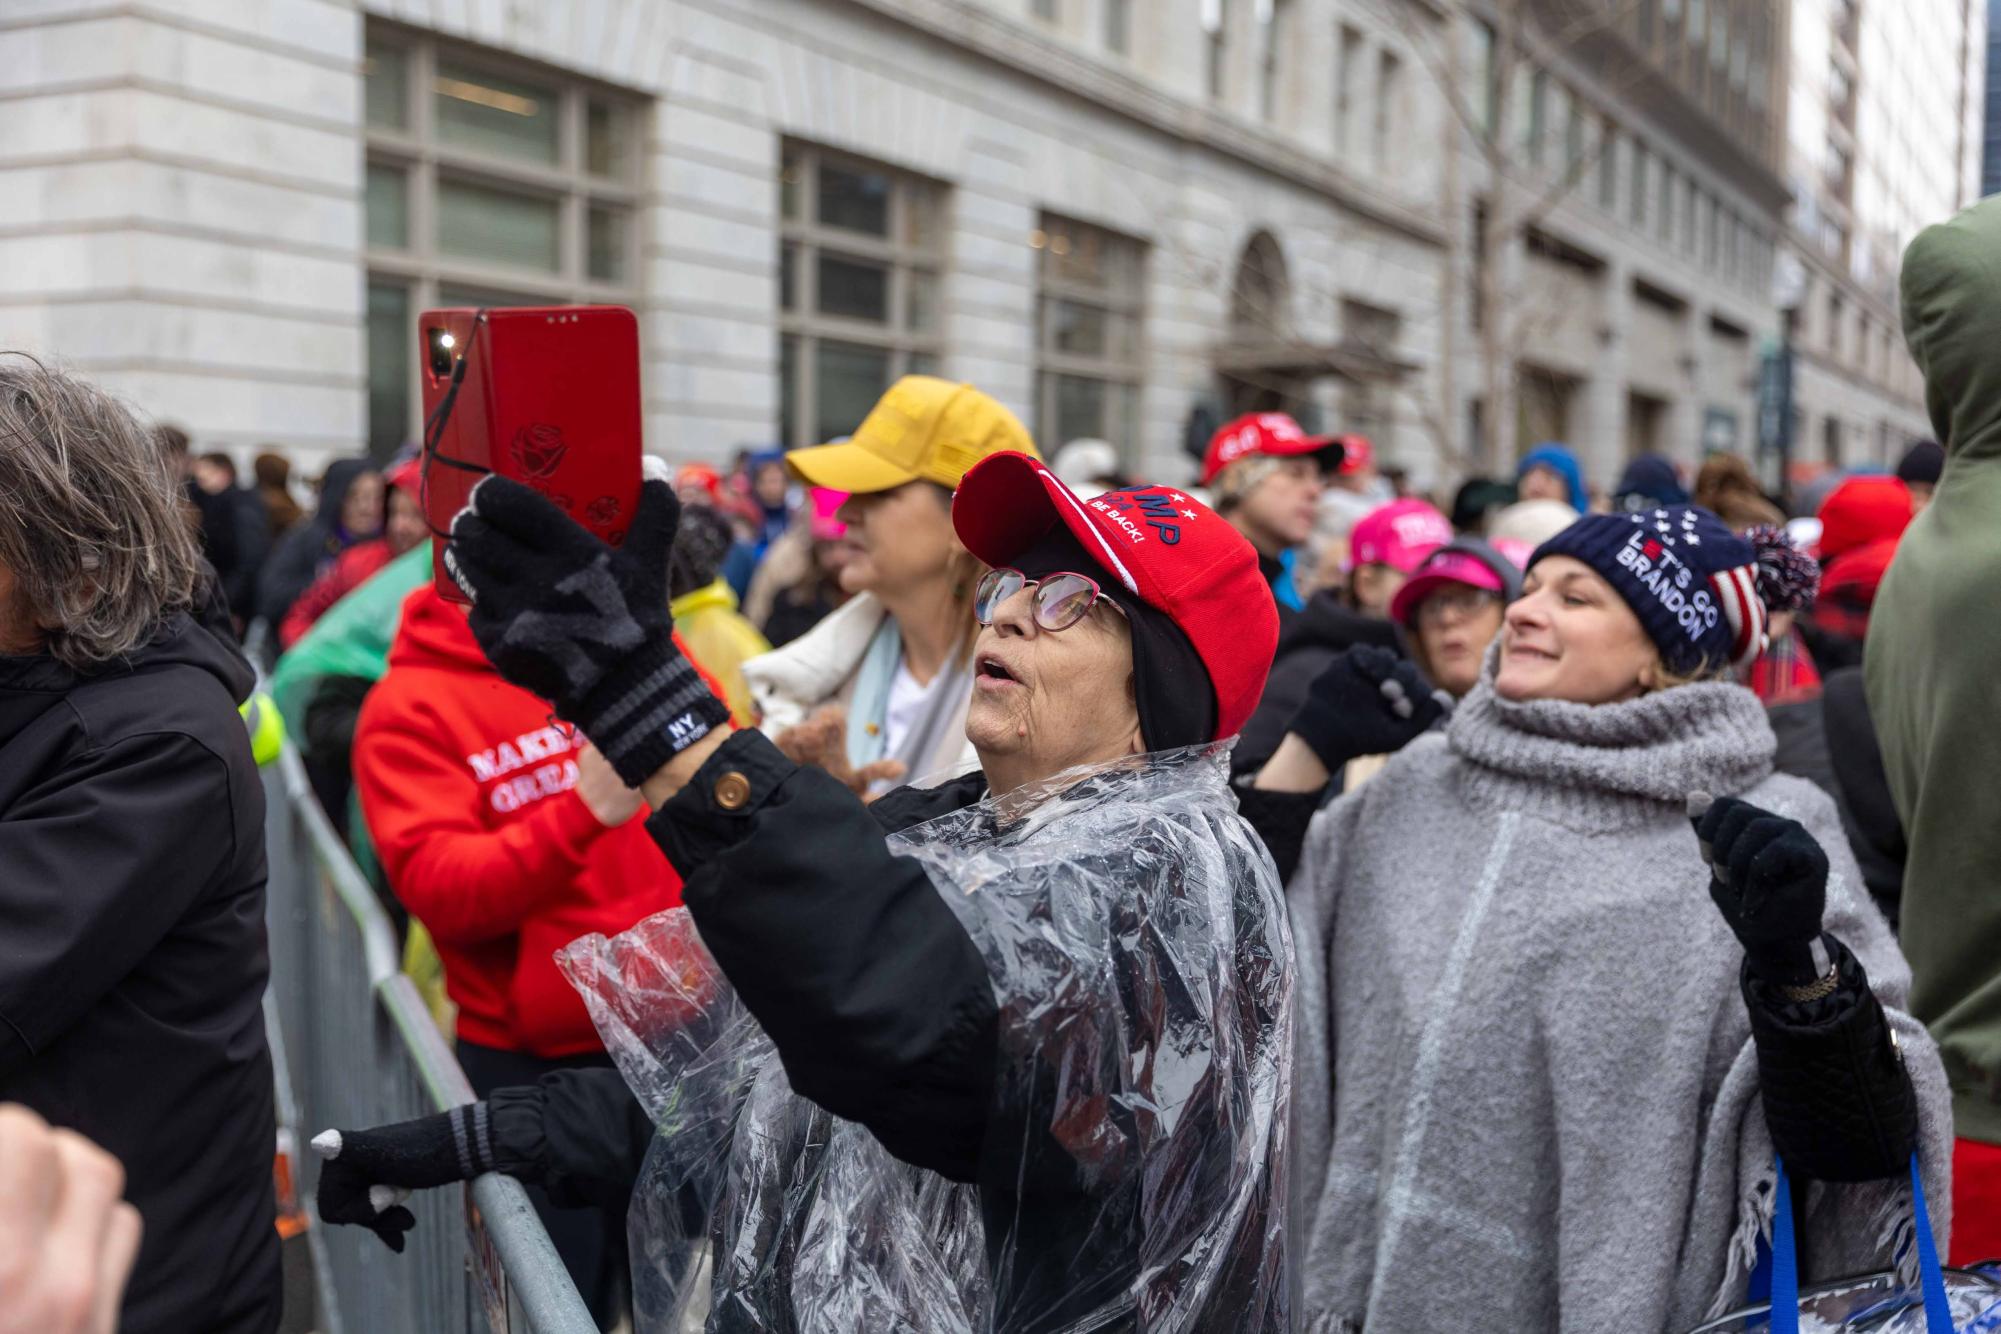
(546, 395)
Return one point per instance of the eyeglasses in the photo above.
(1060, 601)
(1455, 602)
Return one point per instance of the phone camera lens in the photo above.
(441, 343)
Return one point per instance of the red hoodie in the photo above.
(467, 787)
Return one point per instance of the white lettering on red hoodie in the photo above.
(468, 786)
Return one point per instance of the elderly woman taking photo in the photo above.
(131, 853)
(1552, 1036)
(1010, 1053)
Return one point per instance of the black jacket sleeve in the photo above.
(580, 1134)
(876, 998)
(1280, 820)
(1837, 1096)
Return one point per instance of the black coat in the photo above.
(1831, 742)
(882, 1013)
(133, 963)
(1307, 643)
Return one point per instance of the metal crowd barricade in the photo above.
(354, 1046)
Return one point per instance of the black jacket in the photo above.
(881, 1010)
(133, 965)
(1307, 643)
(920, 1077)
(1830, 742)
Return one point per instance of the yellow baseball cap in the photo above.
(923, 428)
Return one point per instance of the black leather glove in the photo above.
(369, 1173)
(1368, 701)
(584, 626)
(1769, 880)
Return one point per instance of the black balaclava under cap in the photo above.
(1171, 689)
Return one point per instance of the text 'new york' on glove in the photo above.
(368, 1174)
(581, 624)
(1768, 878)
(1368, 701)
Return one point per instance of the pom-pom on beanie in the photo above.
(1692, 582)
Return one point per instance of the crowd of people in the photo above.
(908, 884)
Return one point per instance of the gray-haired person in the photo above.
(131, 853)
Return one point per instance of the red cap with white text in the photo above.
(1269, 433)
(1161, 544)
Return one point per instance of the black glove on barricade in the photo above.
(584, 626)
(1769, 880)
(1368, 701)
(369, 1173)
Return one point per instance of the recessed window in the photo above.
(1089, 315)
(488, 182)
(859, 296)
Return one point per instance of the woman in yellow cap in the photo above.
(896, 657)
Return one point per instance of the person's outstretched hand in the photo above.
(368, 1174)
(1769, 880)
(1368, 701)
(67, 1238)
(822, 741)
(581, 624)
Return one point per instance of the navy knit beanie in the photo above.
(1692, 582)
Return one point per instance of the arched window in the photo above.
(1261, 293)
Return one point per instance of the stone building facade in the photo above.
(1124, 219)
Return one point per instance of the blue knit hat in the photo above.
(1692, 582)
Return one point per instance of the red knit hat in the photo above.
(1164, 546)
(1270, 433)
(1862, 510)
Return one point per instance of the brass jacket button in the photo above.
(732, 791)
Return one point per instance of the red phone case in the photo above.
(549, 396)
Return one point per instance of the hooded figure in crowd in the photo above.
(1007, 1054)
(1931, 668)
(132, 854)
(1539, 1078)
(1649, 482)
(404, 527)
(351, 509)
(1551, 472)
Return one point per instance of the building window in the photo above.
(1573, 134)
(1639, 186)
(1389, 108)
(488, 182)
(1608, 166)
(1487, 61)
(1537, 128)
(1216, 24)
(1347, 83)
(860, 251)
(1271, 18)
(1118, 26)
(1664, 222)
(1090, 306)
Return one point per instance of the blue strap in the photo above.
(1785, 1288)
(1785, 1258)
(1938, 1308)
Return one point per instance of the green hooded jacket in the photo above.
(1933, 665)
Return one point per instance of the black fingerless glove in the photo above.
(1769, 880)
(1368, 701)
(584, 625)
(368, 1173)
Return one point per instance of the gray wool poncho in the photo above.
(1525, 1095)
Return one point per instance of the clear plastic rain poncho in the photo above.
(1133, 1171)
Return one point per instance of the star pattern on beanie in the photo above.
(1692, 582)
